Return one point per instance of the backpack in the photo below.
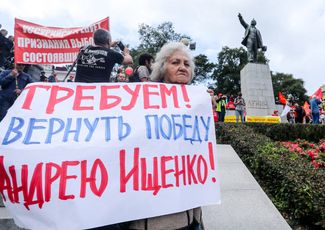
(135, 76)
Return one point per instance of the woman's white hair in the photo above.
(159, 66)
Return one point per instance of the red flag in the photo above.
(282, 99)
(318, 94)
(306, 107)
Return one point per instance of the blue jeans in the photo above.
(221, 116)
(315, 118)
(241, 114)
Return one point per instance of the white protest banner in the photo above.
(77, 156)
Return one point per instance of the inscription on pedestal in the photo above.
(257, 104)
(257, 89)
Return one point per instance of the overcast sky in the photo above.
(293, 30)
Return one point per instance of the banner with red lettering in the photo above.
(36, 44)
(77, 156)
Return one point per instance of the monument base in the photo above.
(257, 89)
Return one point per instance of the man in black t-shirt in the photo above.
(95, 63)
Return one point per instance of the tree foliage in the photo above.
(287, 84)
(153, 38)
(227, 73)
(203, 69)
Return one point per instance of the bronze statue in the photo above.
(252, 39)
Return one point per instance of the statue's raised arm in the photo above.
(242, 21)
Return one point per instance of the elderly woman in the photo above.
(173, 64)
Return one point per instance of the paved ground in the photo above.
(244, 204)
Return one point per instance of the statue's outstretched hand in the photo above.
(239, 15)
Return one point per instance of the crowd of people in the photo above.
(172, 64)
(6, 49)
(92, 68)
(312, 113)
(221, 103)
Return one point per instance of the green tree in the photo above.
(227, 73)
(203, 70)
(287, 84)
(153, 38)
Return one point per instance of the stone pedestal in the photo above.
(257, 89)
